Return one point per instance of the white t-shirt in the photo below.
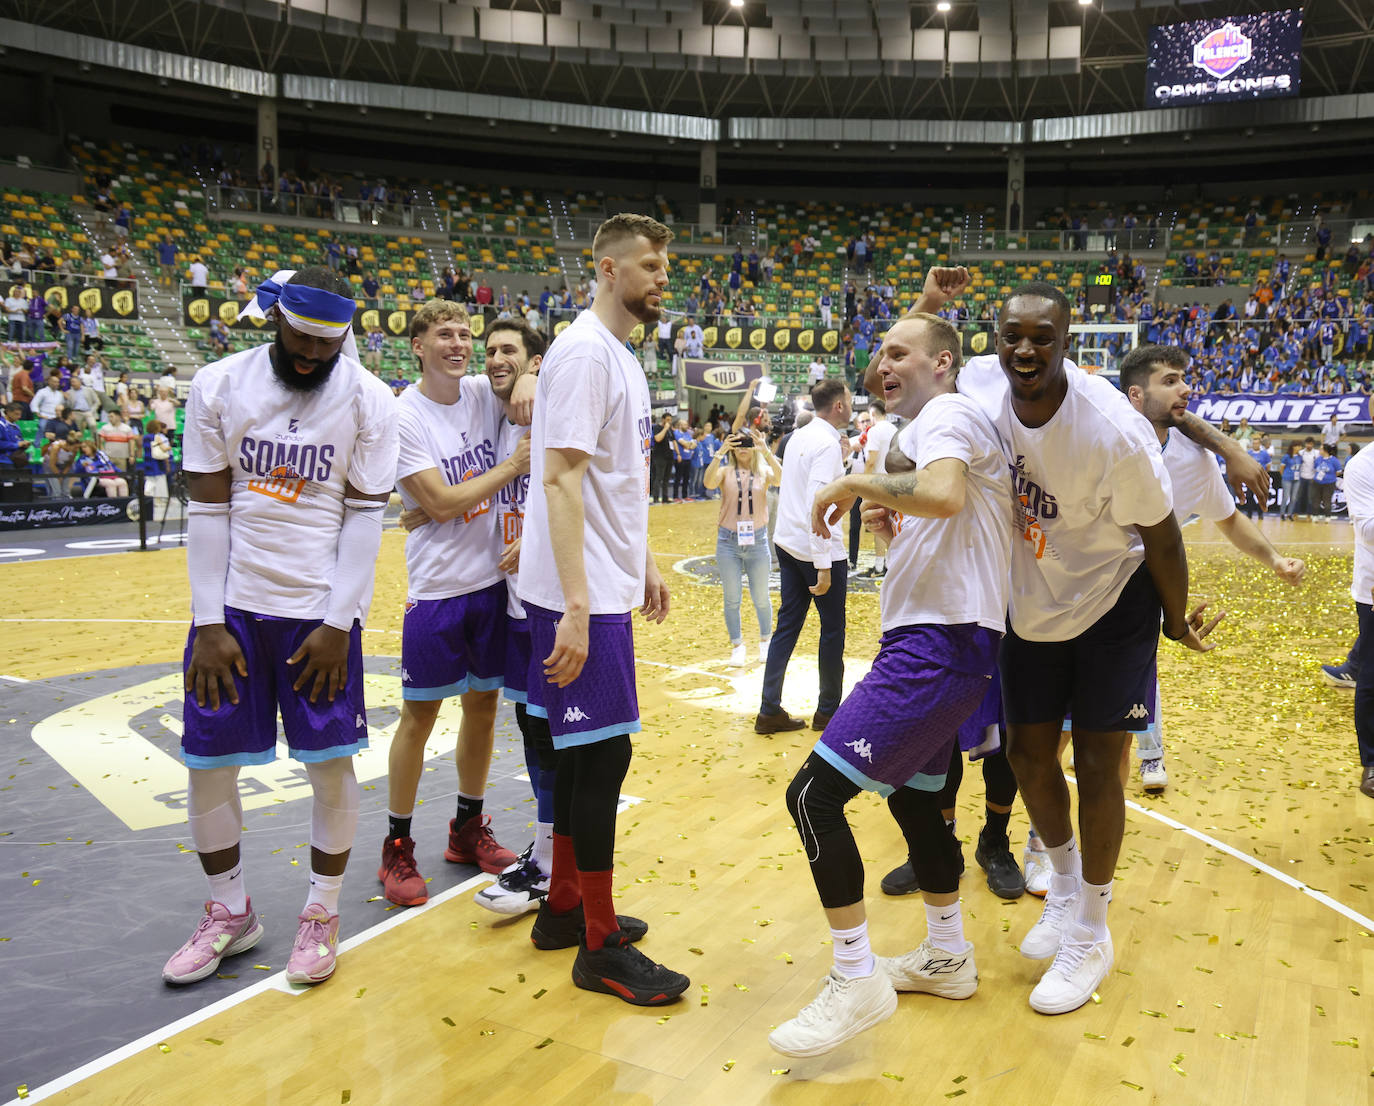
(459, 556)
(510, 507)
(1199, 489)
(1084, 481)
(290, 454)
(812, 460)
(1307, 470)
(952, 571)
(200, 275)
(108, 267)
(1359, 497)
(878, 442)
(593, 398)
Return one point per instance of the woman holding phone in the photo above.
(744, 468)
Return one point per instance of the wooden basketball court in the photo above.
(1244, 957)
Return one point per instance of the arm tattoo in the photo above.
(1204, 433)
(895, 485)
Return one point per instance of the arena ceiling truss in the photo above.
(837, 59)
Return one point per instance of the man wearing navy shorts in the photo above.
(1097, 557)
(943, 613)
(290, 454)
(584, 566)
(453, 637)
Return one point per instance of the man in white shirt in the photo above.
(584, 565)
(1154, 380)
(1099, 555)
(895, 732)
(48, 400)
(812, 569)
(815, 372)
(453, 637)
(290, 454)
(694, 338)
(199, 276)
(514, 354)
(1307, 472)
(1359, 496)
(877, 441)
(1333, 432)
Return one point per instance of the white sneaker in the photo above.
(1152, 774)
(844, 1008)
(1079, 968)
(1042, 941)
(1038, 868)
(737, 655)
(932, 971)
(763, 648)
(517, 890)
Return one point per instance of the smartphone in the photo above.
(766, 391)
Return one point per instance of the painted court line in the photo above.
(275, 981)
(1254, 862)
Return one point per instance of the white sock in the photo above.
(879, 563)
(543, 846)
(1066, 858)
(1092, 907)
(946, 926)
(325, 891)
(853, 957)
(228, 888)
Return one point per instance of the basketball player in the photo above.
(453, 637)
(290, 455)
(584, 565)
(1153, 378)
(943, 613)
(1099, 556)
(514, 351)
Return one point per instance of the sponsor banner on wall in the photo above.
(768, 339)
(1285, 410)
(395, 322)
(101, 302)
(66, 512)
(720, 376)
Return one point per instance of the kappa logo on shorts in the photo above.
(360, 723)
(405, 676)
(575, 714)
(861, 748)
(1138, 711)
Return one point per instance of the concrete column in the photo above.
(268, 149)
(707, 214)
(1016, 191)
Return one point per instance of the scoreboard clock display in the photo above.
(1102, 291)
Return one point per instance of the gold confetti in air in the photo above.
(780, 1071)
(730, 1064)
(890, 1075)
(1353, 1042)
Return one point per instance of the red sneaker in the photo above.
(473, 843)
(401, 880)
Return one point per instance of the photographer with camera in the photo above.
(744, 468)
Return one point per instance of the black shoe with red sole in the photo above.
(620, 969)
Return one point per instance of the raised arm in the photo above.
(1242, 470)
(745, 401)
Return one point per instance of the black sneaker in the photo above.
(901, 881)
(564, 931)
(1004, 874)
(620, 969)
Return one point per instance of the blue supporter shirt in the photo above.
(1326, 469)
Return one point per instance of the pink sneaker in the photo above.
(313, 954)
(219, 934)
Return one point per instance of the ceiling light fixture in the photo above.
(737, 3)
(942, 6)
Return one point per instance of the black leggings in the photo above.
(816, 799)
(586, 793)
(539, 750)
(998, 781)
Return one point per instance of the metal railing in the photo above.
(1297, 235)
(350, 211)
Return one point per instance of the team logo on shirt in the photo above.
(1036, 504)
(283, 483)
